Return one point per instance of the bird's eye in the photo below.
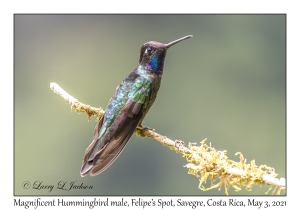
(149, 50)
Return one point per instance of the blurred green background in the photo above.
(227, 84)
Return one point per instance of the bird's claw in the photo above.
(142, 129)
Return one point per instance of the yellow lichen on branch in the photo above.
(204, 161)
(217, 167)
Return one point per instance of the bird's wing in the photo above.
(109, 142)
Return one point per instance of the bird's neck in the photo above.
(155, 64)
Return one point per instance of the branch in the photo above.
(204, 161)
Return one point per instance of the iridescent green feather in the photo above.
(140, 92)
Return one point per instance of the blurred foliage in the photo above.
(227, 84)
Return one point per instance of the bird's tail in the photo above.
(86, 167)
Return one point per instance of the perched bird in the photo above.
(127, 108)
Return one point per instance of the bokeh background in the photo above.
(227, 84)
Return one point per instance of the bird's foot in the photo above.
(142, 129)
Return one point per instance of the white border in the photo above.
(8, 8)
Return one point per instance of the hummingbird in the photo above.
(127, 108)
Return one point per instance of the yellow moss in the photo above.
(205, 162)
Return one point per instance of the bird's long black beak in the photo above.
(167, 46)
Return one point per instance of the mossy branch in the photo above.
(204, 161)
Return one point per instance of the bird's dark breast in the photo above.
(155, 79)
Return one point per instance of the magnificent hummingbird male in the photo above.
(127, 108)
